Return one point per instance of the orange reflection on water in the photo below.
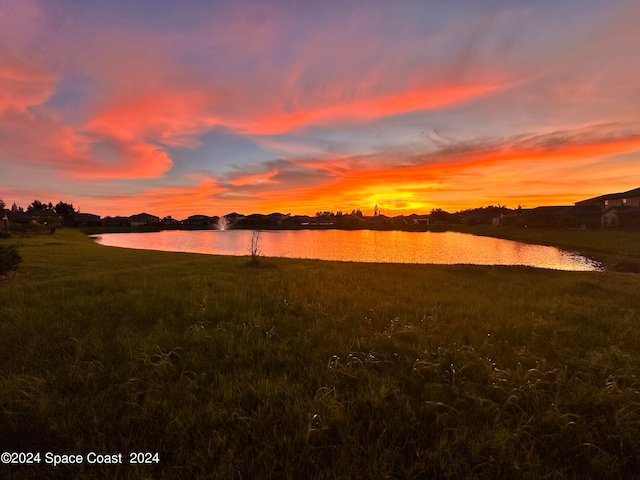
(359, 246)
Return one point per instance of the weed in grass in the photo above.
(254, 247)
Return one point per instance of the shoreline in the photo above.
(615, 250)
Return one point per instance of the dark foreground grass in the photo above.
(305, 369)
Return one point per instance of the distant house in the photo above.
(350, 221)
(233, 218)
(379, 220)
(201, 220)
(481, 217)
(630, 198)
(617, 210)
(415, 219)
(629, 218)
(583, 216)
(170, 221)
(17, 217)
(610, 218)
(513, 219)
(143, 219)
(324, 221)
(257, 220)
(82, 220)
(278, 218)
(299, 220)
(586, 216)
(548, 216)
(116, 222)
(622, 217)
(44, 217)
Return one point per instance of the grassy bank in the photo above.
(309, 369)
(617, 250)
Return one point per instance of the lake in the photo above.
(358, 246)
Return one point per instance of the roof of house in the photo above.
(612, 196)
(201, 217)
(482, 214)
(142, 215)
(86, 216)
(549, 210)
(563, 210)
(586, 210)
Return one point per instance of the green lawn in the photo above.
(307, 369)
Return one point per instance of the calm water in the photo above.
(358, 246)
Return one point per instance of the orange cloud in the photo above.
(325, 111)
(253, 179)
(133, 160)
(35, 135)
(185, 200)
(464, 175)
(178, 201)
(23, 85)
(171, 117)
(43, 142)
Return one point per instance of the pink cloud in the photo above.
(36, 135)
(23, 85)
(252, 179)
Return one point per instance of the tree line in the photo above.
(61, 208)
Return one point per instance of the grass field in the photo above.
(307, 369)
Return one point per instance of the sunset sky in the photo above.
(207, 107)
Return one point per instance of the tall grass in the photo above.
(9, 258)
(309, 369)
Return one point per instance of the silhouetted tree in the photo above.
(325, 214)
(63, 208)
(439, 215)
(2, 205)
(36, 206)
(15, 208)
(490, 210)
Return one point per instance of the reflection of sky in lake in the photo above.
(358, 246)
